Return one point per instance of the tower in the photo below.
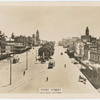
(37, 35)
(87, 31)
(34, 39)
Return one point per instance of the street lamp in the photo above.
(81, 62)
(11, 69)
(26, 60)
(36, 55)
(81, 55)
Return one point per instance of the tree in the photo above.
(46, 51)
(33, 36)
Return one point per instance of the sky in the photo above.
(53, 22)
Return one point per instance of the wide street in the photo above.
(35, 77)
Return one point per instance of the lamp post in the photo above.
(36, 56)
(81, 62)
(26, 60)
(11, 69)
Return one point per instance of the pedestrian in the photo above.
(84, 81)
(79, 78)
(24, 73)
(65, 66)
(46, 79)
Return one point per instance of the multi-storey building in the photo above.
(79, 49)
(86, 51)
(86, 37)
(95, 51)
(2, 43)
(10, 46)
(87, 40)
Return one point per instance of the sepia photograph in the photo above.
(50, 48)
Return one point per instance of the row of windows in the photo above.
(93, 48)
(95, 57)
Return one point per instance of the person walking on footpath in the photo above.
(46, 79)
(24, 73)
(65, 66)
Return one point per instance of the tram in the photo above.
(51, 64)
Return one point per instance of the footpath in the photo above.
(91, 70)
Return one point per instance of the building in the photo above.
(13, 46)
(74, 39)
(95, 51)
(69, 42)
(79, 49)
(86, 51)
(2, 43)
(33, 39)
(66, 42)
(43, 42)
(10, 45)
(86, 37)
(87, 40)
(37, 37)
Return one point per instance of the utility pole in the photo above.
(81, 62)
(36, 55)
(10, 70)
(26, 60)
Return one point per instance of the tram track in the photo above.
(26, 80)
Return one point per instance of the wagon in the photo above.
(15, 60)
(82, 79)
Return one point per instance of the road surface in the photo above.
(37, 73)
